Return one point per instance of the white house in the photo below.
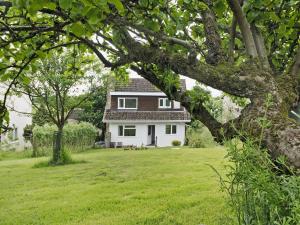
(139, 114)
(20, 109)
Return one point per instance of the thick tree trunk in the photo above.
(57, 146)
(266, 120)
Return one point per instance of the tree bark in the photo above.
(58, 146)
(244, 27)
(266, 120)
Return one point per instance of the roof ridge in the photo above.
(136, 84)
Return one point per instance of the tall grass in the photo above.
(261, 191)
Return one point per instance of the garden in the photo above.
(240, 160)
(110, 187)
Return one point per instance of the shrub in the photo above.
(199, 137)
(76, 137)
(261, 191)
(176, 143)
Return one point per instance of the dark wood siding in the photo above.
(145, 103)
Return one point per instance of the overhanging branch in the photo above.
(244, 27)
(197, 110)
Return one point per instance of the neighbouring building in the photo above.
(137, 113)
(20, 110)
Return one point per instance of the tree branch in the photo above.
(233, 80)
(244, 27)
(213, 39)
(232, 34)
(260, 46)
(198, 110)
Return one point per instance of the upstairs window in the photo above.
(171, 129)
(127, 130)
(127, 103)
(164, 103)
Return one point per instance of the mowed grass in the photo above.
(112, 187)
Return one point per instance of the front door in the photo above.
(151, 133)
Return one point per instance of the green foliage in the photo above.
(260, 190)
(40, 117)
(55, 84)
(93, 108)
(278, 21)
(176, 143)
(76, 137)
(198, 136)
(242, 102)
(200, 95)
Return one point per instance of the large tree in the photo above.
(248, 49)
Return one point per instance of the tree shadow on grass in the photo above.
(50, 163)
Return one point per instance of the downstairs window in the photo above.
(171, 129)
(127, 130)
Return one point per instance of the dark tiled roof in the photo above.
(146, 115)
(141, 85)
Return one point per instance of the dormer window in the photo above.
(164, 103)
(127, 103)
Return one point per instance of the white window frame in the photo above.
(164, 106)
(124, 99)
(124, 128)
(171, 129)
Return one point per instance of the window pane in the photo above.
(129, 132)
(149, 130)
(130, 103)
(174, 129)
(120, 130)
(168, 129)
(161, 102)
(121, 103)
(129, 126)
(168, 103)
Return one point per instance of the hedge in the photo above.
(76, 137)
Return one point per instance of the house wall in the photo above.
(145, 103)
(164, 139)
(141, 137)
(19, 116)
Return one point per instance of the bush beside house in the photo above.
(198, 136)
(176, 143)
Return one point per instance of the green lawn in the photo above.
(165, 186)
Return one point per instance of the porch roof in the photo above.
(146, 116)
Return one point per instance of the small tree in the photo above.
(54, 82)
